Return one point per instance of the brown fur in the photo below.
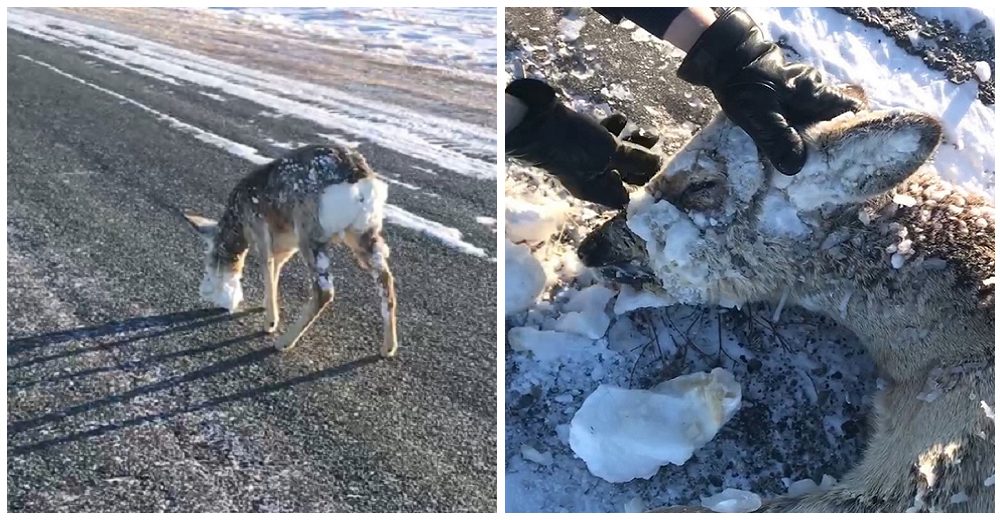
(275, 209)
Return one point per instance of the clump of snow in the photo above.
(779, 217)
(983, 71)
(524, 278)
(625, 434)
(584, 313)
(732, 501)
(549, 345)
(532, 221)
(569, 28)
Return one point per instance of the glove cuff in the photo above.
(728, 45)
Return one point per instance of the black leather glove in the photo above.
(760, 92)
(589, 161)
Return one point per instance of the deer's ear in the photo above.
(205, 227)
(854, 158)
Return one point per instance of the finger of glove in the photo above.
(763, 121)
(614, 123)
(814, 99)
(605, 189)
(635, 164)
(642, 138)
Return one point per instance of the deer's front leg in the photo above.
(318, 260)
(373, 255)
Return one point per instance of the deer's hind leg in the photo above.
(372, 254)
(317, 258)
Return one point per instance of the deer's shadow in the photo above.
(136, 329)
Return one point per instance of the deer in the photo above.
(308, 200)
(867, 235)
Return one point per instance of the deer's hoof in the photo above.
(388, 351)
(272, 328)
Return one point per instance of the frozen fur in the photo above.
(306, 201)
(867, 235)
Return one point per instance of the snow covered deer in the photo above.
(866, 235)
(305, 201)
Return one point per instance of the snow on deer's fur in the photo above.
(869, 236)
(305, 201)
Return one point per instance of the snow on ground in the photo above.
(461, 39)
(806, 383)
(448, 143)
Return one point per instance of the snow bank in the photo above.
(626, 434)
(964, 18)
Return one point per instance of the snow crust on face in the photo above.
(221, 288)
(356, 207)
(626, 434)
(672, 241)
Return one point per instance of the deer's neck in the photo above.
(231, 244)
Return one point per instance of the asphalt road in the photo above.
(126, 394)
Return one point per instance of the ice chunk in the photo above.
(585, 312)
(547, 345)
(525, 278)
(626, 434)
(732, 501)
(533, 223)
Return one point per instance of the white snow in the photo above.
(780, 218)
(625, 434)
(444, 142)
(449, 39)
(357, 207)
(569, 28)
(549, 345)
(732, 501)
(630, 299)
(211, 95)
(584, 313)
(524, 278)
(849, 52)
(449, 236)
(532, 221)
(234, 148)
(983, 71)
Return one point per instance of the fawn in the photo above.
(305, 201)
(873, 240)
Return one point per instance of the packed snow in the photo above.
(625, 434)
(806, 383)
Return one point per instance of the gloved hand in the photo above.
(589, 161)
(760, 92)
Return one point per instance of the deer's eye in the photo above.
(702, 195)
(699, 187)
